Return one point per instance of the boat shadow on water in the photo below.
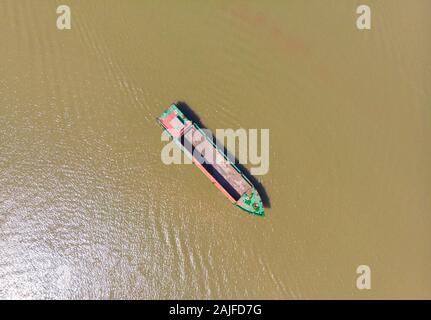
(190, 114)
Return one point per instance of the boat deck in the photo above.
(215, 163)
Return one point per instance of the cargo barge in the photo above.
(212, 161)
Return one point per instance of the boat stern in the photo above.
(251, 202)
(174, 121)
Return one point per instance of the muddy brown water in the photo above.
(87, 209)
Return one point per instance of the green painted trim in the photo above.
(252, 213)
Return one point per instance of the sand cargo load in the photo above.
(211, 160)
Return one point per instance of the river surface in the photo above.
(88, 209)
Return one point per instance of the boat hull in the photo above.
(212, 161)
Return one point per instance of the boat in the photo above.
(216, 165)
